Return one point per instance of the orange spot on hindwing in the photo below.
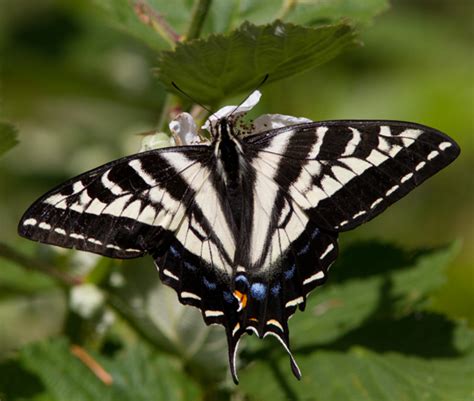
(242, 298)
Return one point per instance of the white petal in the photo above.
(246, 106)
(184, 127)
(273, 121)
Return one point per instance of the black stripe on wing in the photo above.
(356, 169)
(271, 296)
(119, 209)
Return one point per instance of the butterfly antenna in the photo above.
(189, 97)
(257, 87)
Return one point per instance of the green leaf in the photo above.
(370, 282)
(136, 375)
(366, 335)
(140, 375)
(362, 374)
(16, 383)
(39, 305)
(63, 375)
(158, 23)
(224, 65)
(8, 137)
(317, 12)
(16, 280)
(225, 15)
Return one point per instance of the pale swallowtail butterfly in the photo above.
(243, 227)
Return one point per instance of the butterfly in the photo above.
(243, 227)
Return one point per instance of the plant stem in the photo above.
(287, 7)
(199, 15)
(197, 20)
(156, 21)
(64, 279)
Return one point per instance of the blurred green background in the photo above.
(79, 91)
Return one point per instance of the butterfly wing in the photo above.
(344, 173)
(312, 181)
(122, 209)
(161, 202)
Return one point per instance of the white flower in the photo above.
(273, 121)
(260, 124)
(184, 128)
(108, 318)
(86, 300)
(237, 111)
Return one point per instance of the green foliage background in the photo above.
(81, 78)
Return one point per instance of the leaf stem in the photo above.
(156, 21)
(200, 12)
(287, 7)
(81, 354)
(172, 102)
(7, 252)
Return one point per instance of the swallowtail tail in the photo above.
(243, 227)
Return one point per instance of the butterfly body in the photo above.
(245, 227)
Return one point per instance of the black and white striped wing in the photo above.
(121, 209)
(161, 202)
(344, 173)
(312, 181)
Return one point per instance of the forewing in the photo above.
(344, 173)
(121, 209)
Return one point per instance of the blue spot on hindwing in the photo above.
(290, 272)
(208, 284)
(243, 279)
(258, 291)
(174, 251)
(315, 233)
(276, 289)
(190, 266)
(305, 249)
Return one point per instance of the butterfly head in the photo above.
(224, 129)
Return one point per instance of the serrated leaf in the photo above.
(360, 336)
(385, 285)
(63, 375)
(225, 14)
(8, 137)
(139, 375)
(361, 375)
(156, 21)
(223, 65)
(16, 383)
(136, 375)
